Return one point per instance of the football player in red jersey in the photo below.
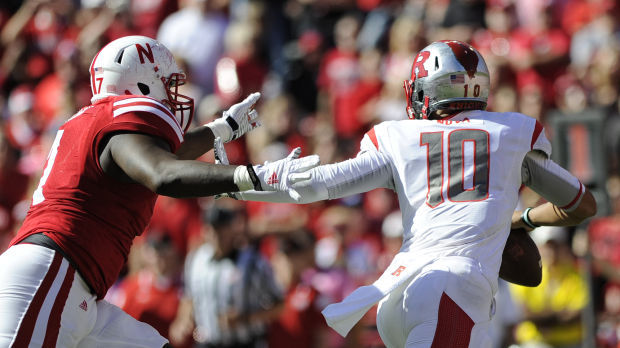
(104, 171)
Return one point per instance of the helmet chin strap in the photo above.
(425, 108)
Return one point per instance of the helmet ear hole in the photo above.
(144, 88)
(420, 96)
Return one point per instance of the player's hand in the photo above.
(281, 175)
(236, 121)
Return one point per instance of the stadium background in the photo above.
(328, 71)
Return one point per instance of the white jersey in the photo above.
(458, 179)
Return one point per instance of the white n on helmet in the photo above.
(139, 65)
(447, 75)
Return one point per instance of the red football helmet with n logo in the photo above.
(447, 75)
(139, 65)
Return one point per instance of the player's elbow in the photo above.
(586, 208)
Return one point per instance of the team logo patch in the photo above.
(84, 305)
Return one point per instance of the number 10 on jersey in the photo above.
(468, 165)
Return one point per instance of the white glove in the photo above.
(277, 176)
(236, 121)
(220, 152)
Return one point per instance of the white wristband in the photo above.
(221, 129)
(526, 218)
(242, 179)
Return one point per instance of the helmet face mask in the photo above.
(181, 105)
(139, 65)
(448, 76)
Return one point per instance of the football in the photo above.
(521, 263)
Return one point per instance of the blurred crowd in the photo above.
(328, 70)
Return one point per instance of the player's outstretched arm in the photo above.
(368, 171)
(147, 160)
(234, 123)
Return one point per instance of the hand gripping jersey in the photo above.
(91, 216)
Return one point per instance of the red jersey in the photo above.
(90, 215)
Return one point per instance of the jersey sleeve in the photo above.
(367, 171)
(551, 181)
(145, 115)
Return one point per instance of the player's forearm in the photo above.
(549, 214)
(183, 179)
(196, 142)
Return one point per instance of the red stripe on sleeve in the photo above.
(537, 130)
(373, 137)
(453, 325)
(53, 325)
(570, 205)
(30, 318)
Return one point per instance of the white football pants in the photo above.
(449, 304)
(44, 302)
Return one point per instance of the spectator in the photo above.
(339, 71)
(392, 235)
(540, 49)
(153, 294)
(148, 15)
(239, 71)
(552, 311)
(197, 21)
(463, 17)
(180, 218)
(230, 291)
(301, 320)
(14, 184)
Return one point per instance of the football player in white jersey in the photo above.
(457, 170)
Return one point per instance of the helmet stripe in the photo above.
(92, 71)
(92, 74)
